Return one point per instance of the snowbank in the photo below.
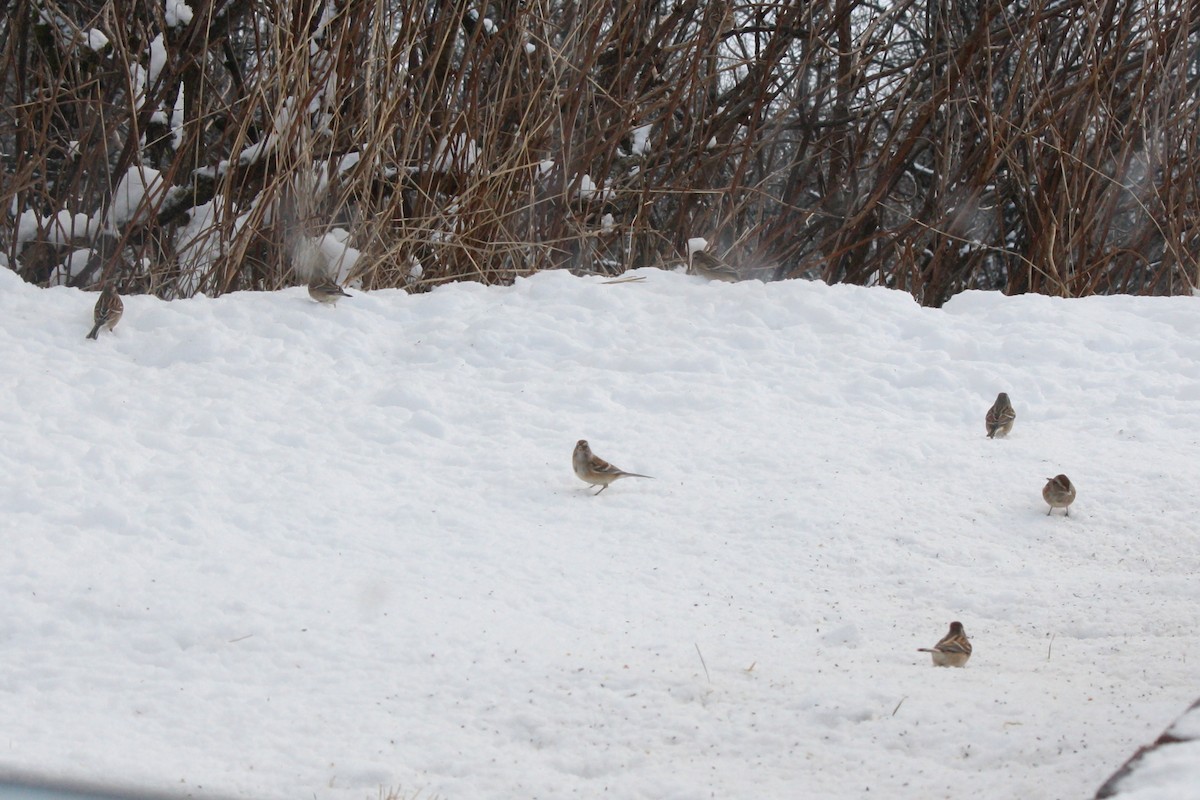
(258, 547)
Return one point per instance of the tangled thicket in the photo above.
(929, 145)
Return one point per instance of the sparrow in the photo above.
(593, 469)
(953, 650)
(1059, 493)
(1000, 417)
(325, 290)
(710, 267)
(108, 310)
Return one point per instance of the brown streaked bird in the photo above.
(1059, 492)
(325, 290)
(593, 469)
(709, 266)
(953, 650)
(108, 311)
(1000, 417)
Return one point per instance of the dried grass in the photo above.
(1045, 146)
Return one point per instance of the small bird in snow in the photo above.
(953, 650)
(710, 267)
(1000, 417)
(107, 313)
(593, 469)
(1059, 492)
(324, 289)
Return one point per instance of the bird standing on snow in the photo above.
(953, 650)
(324, 289)
(108, 311)
(1059, 493)
(593, 469)
(1000, 417)
(710, 267)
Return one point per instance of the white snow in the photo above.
(177, 117)
(588, 189)
(1187, 726)
(61, 228)
(177, 13)
(1170, 768)
(641, 140)
(74, 264)
(255, 151)
(129, 200)
(198, 243)
(456, 152)
(340, 257)
(158, 59)
(324, 170)
(138, 83)
(95, 39)
(263, 548)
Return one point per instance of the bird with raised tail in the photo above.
(108, 310)
(591, 468)
(953, 650)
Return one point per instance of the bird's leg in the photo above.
(602, 488)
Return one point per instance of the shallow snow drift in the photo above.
(264, 548)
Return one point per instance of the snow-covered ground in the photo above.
(1167, 769)
(258, 547)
